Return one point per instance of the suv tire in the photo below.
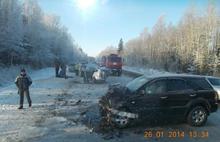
(197, 116)
(122, 122)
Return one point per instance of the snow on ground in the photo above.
(8, 92)
(63, 110)
(15, 125)
(42, 73)
(7, 75)
(57, 107)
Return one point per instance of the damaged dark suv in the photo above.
(186, 97)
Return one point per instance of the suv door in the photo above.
(176, 98)
(203, 89)
(147, 102)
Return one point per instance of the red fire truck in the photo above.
(113, 63)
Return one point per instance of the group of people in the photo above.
(86, 71)
(23, 81)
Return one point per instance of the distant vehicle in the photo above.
(184, 97)
(215, 83)
(99, 76)
(112, 62)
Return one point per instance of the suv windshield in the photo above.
(214, 81)
(137, 83)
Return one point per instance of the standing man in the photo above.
(90, 69)
(57, 68)
(63, 71)
(23, 82)
(76, 68)
(83, 71)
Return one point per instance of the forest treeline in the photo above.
(30, 36)
(191, 45)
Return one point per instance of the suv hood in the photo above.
(115, 97)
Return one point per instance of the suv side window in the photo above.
(156, 87)
(177, 85)
(199, 84)
(214, 81)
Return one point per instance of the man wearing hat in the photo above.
(23, 81)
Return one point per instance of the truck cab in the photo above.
(113, 62)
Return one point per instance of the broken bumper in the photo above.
(122, 113)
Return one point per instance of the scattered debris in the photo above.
(78, 102)
(108, 136)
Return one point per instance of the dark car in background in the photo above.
(186, 97)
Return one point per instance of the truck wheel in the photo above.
(197, 116)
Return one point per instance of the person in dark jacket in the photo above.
(57, 68)
(62, 73)
(23, 82)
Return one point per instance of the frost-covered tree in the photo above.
(192, 45)
(30, 36)
(108, 50)
(120, 46)
(10, 31)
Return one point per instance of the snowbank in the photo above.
(42, 73)
(145, 71)
(8, 75)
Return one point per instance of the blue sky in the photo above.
(104, 23)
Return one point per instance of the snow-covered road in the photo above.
(57, 107)
(64, 110)
(18, 125)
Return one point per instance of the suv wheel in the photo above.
(197, 116)
(122, 122)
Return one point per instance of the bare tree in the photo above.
(192, 45)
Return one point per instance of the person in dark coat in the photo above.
(57, 68)
(23, 82)
(62, 73)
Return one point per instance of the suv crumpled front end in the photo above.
(113, 107)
